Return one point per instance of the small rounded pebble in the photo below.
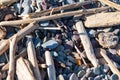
(114, 77)
(73, 77)
(81, 73)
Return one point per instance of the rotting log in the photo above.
(12, 51)
(103, 20)
(50, 64)
(111, 4)
(32, 58)
(51, 17)
(5, 43)
(86, 43)
(110, 63)
(23, 70)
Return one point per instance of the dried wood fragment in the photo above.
(103, 20)
(111, 4)
(32, 58)
(86, 43)
(23, 70)
(5, 43)
(50, 64)
(110, 63)
(2, 32)
(12, 51)
(51, 17)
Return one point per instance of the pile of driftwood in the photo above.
(24, 64)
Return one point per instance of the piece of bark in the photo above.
(32, 58)
(12, 51)
(50, 64)
(7, 2)
(51, 17)
(103, 20)
(110, 63)
(23, 53)
(5, 43)
(86, 43)
(111, 4)
(23, 70)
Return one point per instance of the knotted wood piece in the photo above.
(12, 51)
(50, 64)
(103, 20)
(32, 58)
(86, 43)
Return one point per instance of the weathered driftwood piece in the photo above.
(12, 51)
(2, 32)
(7, 2)
(32, 58)
(86, 43)
(23, 53)
(103, 20)
(110, 63)
(51, 17)
(23, 70)
(111, 4)
(5, 43)
(56, 9)
(50, 64)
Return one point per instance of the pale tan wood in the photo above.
(23, 70)
(32, 58)
(12, 51)
(111, 4)
(86, 43)
(50, 64)
(51, 17)
(4, 45)
(7, 2)
(110, 63)
(23, 53)
(42, 65)
(103, 20)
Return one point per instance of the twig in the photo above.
(51, 17)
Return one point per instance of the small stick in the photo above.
(5, 43)
(86, 43)
(12, 59)
(111, 4)
(50, 64)
(23, 70)
(110, 64)
(51, 17)
(32, 58)
(42, 65)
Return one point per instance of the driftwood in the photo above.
(33, 60)
(51, 17)
(103, 20)
(2, 32)
(23, 70)
(86, 43)
(111, 4)
(7, 2)
(110, 63)
(50, 64)
(5, 43)
(12, 51)
(56, 9)
(23, 53)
